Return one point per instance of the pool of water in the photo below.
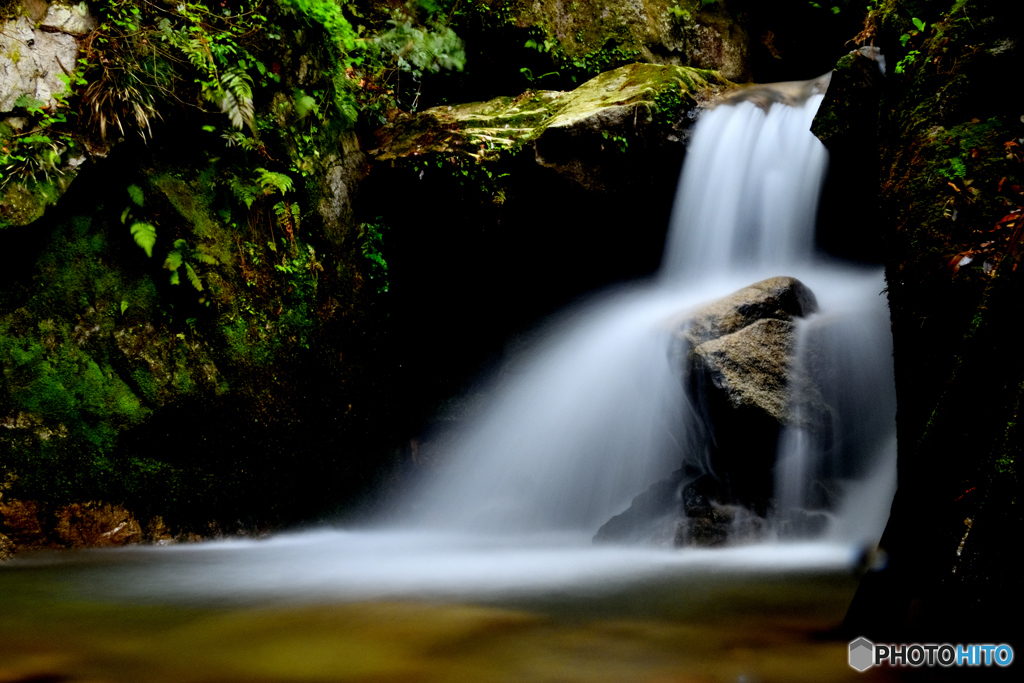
(392, 606)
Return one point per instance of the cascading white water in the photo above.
(748, 193)
(596, 413)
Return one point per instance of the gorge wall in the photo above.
(950, 206)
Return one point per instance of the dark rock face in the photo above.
(951, 186)
(736, 355)
(652, 517)
(847, 124)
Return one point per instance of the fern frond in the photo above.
(236, 98)
(175, 280)
(287, 215)
(243, 191)
(205, 258)
(145, 236)
(195, 51)
(193, 278)
(271, 181)
(173, 261)
(135, 192)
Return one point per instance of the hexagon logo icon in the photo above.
(861, 654)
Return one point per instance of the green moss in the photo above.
(190, 200)
(504, 123)
(71, 393)
(22, 203)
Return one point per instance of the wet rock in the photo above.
(780, 298)
(95, 525)
(849, 112)
(847, 124)
(645, 519)
(746, 372)
(29, 526)
(699, 495)
(157, 532)
(736, 354)
(20, 522)
(721, 525)
(6, 548)
(802, 524)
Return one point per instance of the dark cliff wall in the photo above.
(951, 190)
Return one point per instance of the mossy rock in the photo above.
(582, 134)
(586, 37)
(22, 203)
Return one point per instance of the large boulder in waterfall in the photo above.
(746, 371)
(779, 298)
(737, 354)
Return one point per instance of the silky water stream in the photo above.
(486, 571)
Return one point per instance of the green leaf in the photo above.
(203, 257)
(193, 278)
(304, 104)
(173, 260)
(30, 103)
(135, 192)
(175, 280)
(145, 236)
(919, 24)
(124, 306)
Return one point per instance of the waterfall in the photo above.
(748, 193)
(595, 412)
